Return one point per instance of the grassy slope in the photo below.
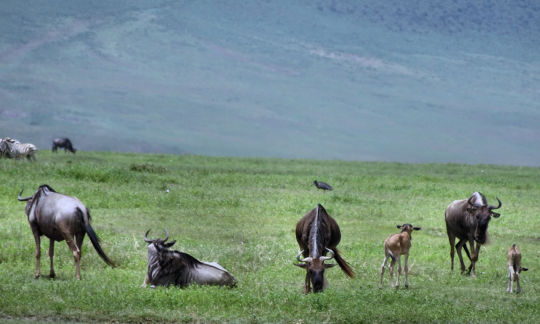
(422, 81)
(241, 213)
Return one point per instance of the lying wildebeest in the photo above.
(514, 268)
(64, 143)
(322, 185)
(318, 233)
(468, 220)
(394, 246)
(166, 267)
(12, 148)
(60, 217)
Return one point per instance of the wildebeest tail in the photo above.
(93, 237)
(391, 255)
(343, 264)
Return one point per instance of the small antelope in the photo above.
(394, 246)
(514, 268)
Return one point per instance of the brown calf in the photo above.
(394, 246)
(514, 268)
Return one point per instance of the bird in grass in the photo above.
(322, 185)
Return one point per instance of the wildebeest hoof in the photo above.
(36, 276)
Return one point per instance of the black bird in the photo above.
(322, 185)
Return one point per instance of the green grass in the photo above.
(241, 213)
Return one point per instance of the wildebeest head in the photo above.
(408, 228)
(481, 212)
(42, 190)
(158, 244)
(315, 268)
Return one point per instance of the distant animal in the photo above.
(322, 185)
(64, 143)
(395, 246)
(514, 268)
(60, 217)
(166, 267)
(12, 148)
(318, 233)
(468, 220)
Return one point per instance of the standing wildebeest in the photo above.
(60, 217)
(468, 220)
(166, 267)
(318, 233)
(322, 185)
(64, 143)
(394, 246)
(514, 268)
(12, 148)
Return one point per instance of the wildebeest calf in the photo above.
(514, 268)
(394, 246)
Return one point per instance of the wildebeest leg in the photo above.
(391, 270)
(146, 281)
(510, 285)
(38, 251)
(76, 255)
(458, 248)
(516, 275)
(51, 255)
(382, 268)
(452, 239)
(407, 270)
(474, 257)
(307, 285)
(399, 270)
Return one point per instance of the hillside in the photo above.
(423, 81)
(242, 213)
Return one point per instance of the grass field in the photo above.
(242, 213)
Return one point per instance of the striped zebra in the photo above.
(12, 148)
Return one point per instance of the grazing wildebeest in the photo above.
(514, 268)
(60, 217)
(322, 185)
(395, 246)
(318, 233)
(64, 143)
(166, 267)
(14, 149)
(468, 220)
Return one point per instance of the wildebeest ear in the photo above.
(399, 226)
(523, 269)
(329, 265)
(301, 265)
(496, 215)
(169, 244)
(417, 228)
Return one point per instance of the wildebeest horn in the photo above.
(146, 239)
(308, 259)
(23, 199)
(323, 258)
(500, 204)
(166, 236)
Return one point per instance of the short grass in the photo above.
(241, 213)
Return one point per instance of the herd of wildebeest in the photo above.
(61, 217)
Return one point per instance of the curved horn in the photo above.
(146, 239)
(500, 204)
(23, 199)
(323, 258)
(308, 259)
(166, 236)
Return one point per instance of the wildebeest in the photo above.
(514, 268)
(166, 267)
(395, 246)
(64, 143)
(322, 185)
(60, 217)
(468, 220)
(12, 148)
(318, 233)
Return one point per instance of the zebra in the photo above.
(12, 148)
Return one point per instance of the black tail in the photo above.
(94, 238)
(343, 264)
